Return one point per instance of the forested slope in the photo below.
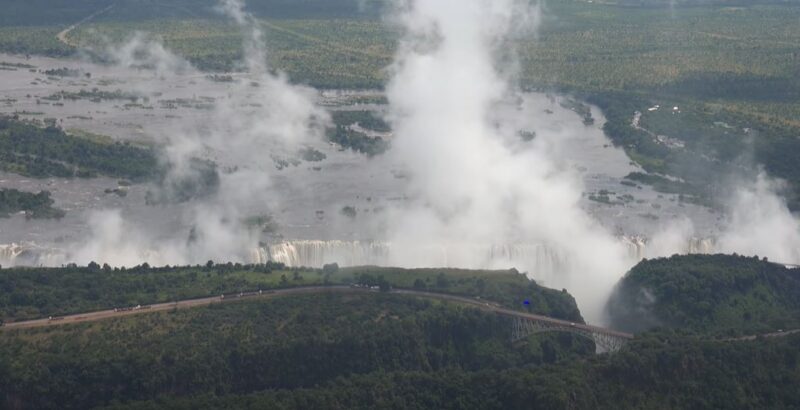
(662, 370)
(709, 294)
(249, 346)
(383, 350)
(30, 293)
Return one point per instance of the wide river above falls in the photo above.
(308, 197)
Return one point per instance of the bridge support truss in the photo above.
(604, 342)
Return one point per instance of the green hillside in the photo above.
(709, 294)
(30, 293)
(249, 346)
(652, 374)
(377, 351)
(386, 350)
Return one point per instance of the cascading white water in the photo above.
(638, 248)
(27, 254)
(540, 260)
(318, 253)
(9, 253)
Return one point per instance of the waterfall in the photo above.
(701, 245)
(636, 246)
(541, 259)
(28, 254)
(9, 254)
(318, 253)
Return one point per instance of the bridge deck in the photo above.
(486, 305)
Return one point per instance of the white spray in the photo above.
(240, 136)
(473, 184)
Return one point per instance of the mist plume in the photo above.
(473, 185)
(241, 137)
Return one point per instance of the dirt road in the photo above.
(181, 304)
(62, 35)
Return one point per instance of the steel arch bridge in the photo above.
(605, 340)
(525, 324)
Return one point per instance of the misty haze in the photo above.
(399, 204)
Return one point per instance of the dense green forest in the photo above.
(249, 346)
(383, 350)
(29, 293)
(377, 351)
(656, 371)
(35, 150)
(708, 293)
(253, 345)
(35, 206)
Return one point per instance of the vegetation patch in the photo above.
(41, 292)
(35, 206)
(656, 371)
(30, 149)
(297, 342)
(709, 294)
